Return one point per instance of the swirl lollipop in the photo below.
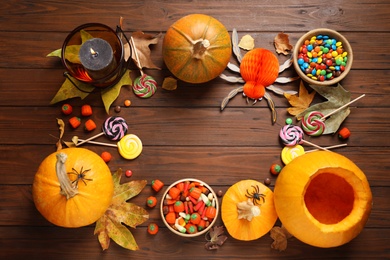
(312, 123)
(292, 135)
(144, 86)
(129, 147)
(114, 127)
(291, 152)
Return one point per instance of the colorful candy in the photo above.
(194, 208)
(115, 127)
(130, 146)
(344, 133)
(289, 153)
(322, 58)
(144, 86)
(313, 124)
(291, 135)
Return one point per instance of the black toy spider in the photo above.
(255, 195)
(80, 176)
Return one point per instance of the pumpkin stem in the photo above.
(200, 47)
(67, 189)
(247, 210)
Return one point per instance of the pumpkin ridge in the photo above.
(185, 36)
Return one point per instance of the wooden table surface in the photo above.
(184, 133)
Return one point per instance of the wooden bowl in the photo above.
(332, 34)
(171, 227)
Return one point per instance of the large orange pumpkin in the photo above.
(73, 187)
(247, 210)
(323, 199)
(197, 48)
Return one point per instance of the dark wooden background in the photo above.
(183, 132)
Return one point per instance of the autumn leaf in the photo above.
(215, 238)
(142, 42)
(282, 43)
(301, 102)
(280, 236)
(247, 42)
(337, 97)
(109, 95)
(69, 90)
(169, 83)
(72, 51)
(61, 128)
(110, 225)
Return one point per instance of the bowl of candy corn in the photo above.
(189, 207)
(322, 57)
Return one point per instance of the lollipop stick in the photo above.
(89, 139)
(338, 109)
(329, 147)
(136, 56)
(98, 143)
(316, 146)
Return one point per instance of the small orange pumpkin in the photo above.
(323, 199)
(197, 48)
(73, 187)
(248, 210)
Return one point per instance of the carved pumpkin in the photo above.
(247, 210)
(197, 48)
(73, 187)
(323, 199)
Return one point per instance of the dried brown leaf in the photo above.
(61, 127)
(299, 103)
(142, 42)
(280, 236)
(282, 43)
(169, 83)
(216, 238)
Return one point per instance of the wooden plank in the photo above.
(369, 53)
(41, 85)
(277, 16)
(252, 126)
(214, 165)
(31, 242)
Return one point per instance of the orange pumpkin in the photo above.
(323, 199)
(247, 210)
(73, 187)
(197, 48)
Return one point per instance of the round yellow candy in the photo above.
(130, 146)
(291, 152)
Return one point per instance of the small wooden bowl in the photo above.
(175, 231)
(332, 34)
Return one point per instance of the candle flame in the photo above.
(93, 52)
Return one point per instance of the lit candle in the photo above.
(97, 57)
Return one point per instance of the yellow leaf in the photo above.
(120, 213)
(299, 103)
(110, 94)
(68, 90)
(247, 42)
(169, 83)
